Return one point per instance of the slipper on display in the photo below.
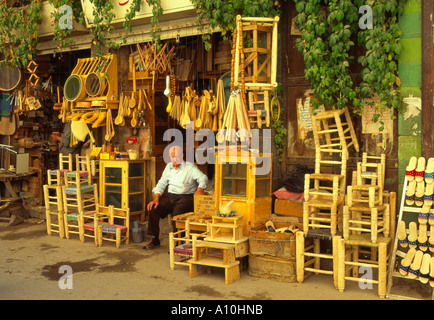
(429, 194)
(419, 174)
(412, 237)
(419, 193)
(423, 215)
(410, 171)
(414, 269)
(431, 272)
(409, 193)
(402, 234)
(431, 243)
(406, 262)
(424, 268)
(422, 238)
(429, 171)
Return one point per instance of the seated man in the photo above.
(183, 180)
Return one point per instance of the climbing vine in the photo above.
(328, 31)
(280, 131)
(61, 33)
(380, 67)
(102, 17)
(19, 32)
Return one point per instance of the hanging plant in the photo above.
(61, 33)
(222, 13)
(157, 11)
(101, 28)
(328, 29)
(325, 44)
(19, 32)
(280, 131)
(380, 61)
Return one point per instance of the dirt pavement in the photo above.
(29, 269)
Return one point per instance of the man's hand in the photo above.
(154, 203)
(199, 191)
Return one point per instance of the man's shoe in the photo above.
(151, 245)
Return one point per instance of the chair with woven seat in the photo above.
(54, 207)
(109, 230)
(365, 219)
(80, 200)
(181, 245)
(55, 176)
(323, 197)
(349, 261)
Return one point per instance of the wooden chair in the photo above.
(348, 263)
(323, 203)
(332, 129)
(308, 258)
(55, 177)
(79, 202)
(109, 230)
(54, 207)
(364, 219)
(181, 245)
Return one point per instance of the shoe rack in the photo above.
(413, 249)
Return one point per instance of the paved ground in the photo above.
(29, 269)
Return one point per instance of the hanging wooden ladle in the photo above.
(132, 102)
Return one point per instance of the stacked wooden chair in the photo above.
(366, 225)
(80, 198)
(333, 134)
(53, 195)
(54, 207)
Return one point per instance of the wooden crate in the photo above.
(293, 208)
(281, 245)
(274, 268)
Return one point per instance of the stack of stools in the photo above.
(323, 207)
(366, 225)
(53, 195)
(80, 198)
(225, 243)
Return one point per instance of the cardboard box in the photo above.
(204, 205)
(293, 208)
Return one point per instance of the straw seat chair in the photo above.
(109, 229)
(181, 245)
(55, 176)
(323, 197)
(349, 263)
(54, 207)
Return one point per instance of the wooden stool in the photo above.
(355, 242)
(214, 254)
(313, 251)
(56, 202)
(225, 229)
(359, 219)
